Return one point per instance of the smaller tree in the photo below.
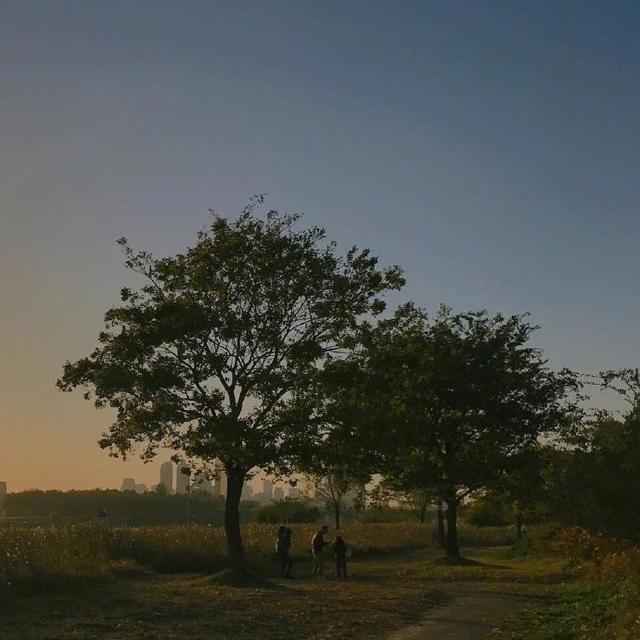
(416, 501)
(333, 485)
(490, 509)
(336, 460)
(455, 399)
(523, 488)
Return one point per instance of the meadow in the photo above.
(33, 557)
(94, 581)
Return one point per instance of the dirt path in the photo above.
(471, 612)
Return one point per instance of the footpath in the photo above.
(469, 612)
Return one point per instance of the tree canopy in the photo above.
(205, 355)
(455, 399)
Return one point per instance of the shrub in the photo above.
(489, 511)
(387, 514)
(288, 511)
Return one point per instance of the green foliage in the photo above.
(450, 402)
(391, 490)
(601, 600)
(489, 510)
(597, 484)
(467, 395)
(287, 511)
(387, 514)
(206, 356)
(519, 549)
(202, 357)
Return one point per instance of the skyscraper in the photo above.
(278, 493)
(166, 476)
(128, 484)
(183, 476)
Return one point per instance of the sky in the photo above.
(490, 148)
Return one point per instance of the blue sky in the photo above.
(491, 148)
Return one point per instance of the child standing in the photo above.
(340, 549)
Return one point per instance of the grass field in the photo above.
(100, 583)
(33, 557)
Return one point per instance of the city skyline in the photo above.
(259, 488)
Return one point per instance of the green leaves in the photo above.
(458, 396)
(206, 355)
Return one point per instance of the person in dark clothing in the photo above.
(340, 549)
(283, 546)
(318, 543)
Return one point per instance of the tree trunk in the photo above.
(336, 510)
(441, 531)
(422, 514)
(519, 523)
(235, 548)
(452, 549)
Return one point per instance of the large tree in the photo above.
(204, 357)
(455, 399)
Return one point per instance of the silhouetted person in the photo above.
(283, 546)
(102, 513)
(318, 543)
(340, 548)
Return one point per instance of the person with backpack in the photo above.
(283, 547)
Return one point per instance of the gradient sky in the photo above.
(491, 148)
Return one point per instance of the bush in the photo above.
(602, 602)
(489, 511)
(287, 511)
(387, 514)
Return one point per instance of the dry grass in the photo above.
(42, 553)
(382, 595)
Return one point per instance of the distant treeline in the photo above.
(122, 507)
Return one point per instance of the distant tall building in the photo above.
(3, 495)
(128, 484)
(294, 492)
(140, 487)
(182, 479)
(166, 476)
(278, 493)
(267, 490)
